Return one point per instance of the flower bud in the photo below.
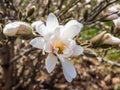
(112, 12)
(87, 1)
(19, 29)
(117, 26)
(112, 17)
(111, 40)
(30, 11)
(96, 40)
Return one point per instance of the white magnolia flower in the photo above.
(18, 28)
(58, 42)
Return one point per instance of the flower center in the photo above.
(59, 46)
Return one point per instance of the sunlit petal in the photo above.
(37, 42)
(72, 28)
(50, 62)
(41, 29)
(67, 77)
(51, 22)
(69, 68)
(77, 50)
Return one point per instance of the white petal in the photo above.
(50, 62)
(57, 32)
(77, 50)
(41, 29)
(67, 77)
(69, 68)
(39, 26)
(67, 52)
(49, 41)
(37, 42)
(72, 28)
(34, 24)
(60, 58)
(51, 22)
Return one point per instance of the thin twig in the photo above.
(68, 7)
(108, 61)
(96, 11)
(22, 54)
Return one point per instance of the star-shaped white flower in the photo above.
(58, 42)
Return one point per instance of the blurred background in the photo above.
(98, 68)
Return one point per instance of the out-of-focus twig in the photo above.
(26, 52)
(68, 7)
(96, 11)
(108, 61)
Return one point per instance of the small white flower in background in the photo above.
(117, 23)
(116, 29)
(87, 1)
(112, 10)
(18, 28)
(111, 40)
(58, 42)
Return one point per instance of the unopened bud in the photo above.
(96, 41)
(30, 11)
(112, 17)
(112, 12)
(19, 29)
(87, 1)
(111, 40)
(116, 30)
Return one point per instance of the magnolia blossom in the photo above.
(58, 41)
(18, 28)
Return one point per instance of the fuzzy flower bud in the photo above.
(117, 23)
(112, 12)
(111, 40)
(19, 29)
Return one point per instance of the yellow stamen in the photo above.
(60, 46)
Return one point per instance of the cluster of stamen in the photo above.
(59, 46)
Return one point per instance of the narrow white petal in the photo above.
(51, 22)
(69, 68)
(50, 62)
(67, 77)
(48, 47)
(60, 58)
(37, 42)
(72, 28)
(77, 50)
